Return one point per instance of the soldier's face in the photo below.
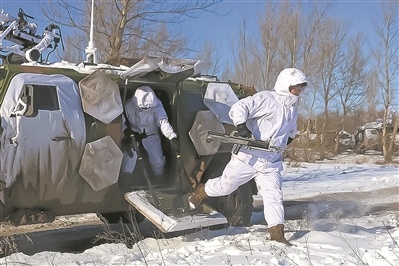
(297, 89)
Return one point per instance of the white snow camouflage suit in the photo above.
(268, 115)
(145, 112)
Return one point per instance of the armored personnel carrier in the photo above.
(61, 131)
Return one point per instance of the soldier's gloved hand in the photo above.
(128, 132)
(140, 136)
(243, 131)
(174, 143)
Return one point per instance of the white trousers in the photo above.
(152, 145)
(238, 173)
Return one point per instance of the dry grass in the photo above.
(128, 235)
(7, 246)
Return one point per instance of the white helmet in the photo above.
(144, 97)
(289, 77)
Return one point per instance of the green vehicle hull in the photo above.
(182, 98)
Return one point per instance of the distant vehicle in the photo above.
(368, 137)
(346, 139)
(61, 149)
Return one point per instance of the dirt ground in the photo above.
(6, 229)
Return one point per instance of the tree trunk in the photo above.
(388, 141)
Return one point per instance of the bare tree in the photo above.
(247, 72)
(290, 34)
(267, 52)
(128, 28)
(312, 33)
(352, 89)
(330, 59)
(372, 99)
(386, 55)
(352, 86)
(211, 55)
(324, 53)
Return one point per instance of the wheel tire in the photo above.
(236, 207)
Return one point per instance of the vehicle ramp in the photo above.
(173, 214)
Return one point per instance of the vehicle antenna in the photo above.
(91, 50)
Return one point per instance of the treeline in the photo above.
(350, 78)
(348, 75)
(351, 81)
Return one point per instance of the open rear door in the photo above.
(173, 214)
(169, 211)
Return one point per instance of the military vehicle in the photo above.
(61, 149)
(368, 137)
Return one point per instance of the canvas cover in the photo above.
(101, 163)
(100, 97)
(167, 65)
(205, 121)
(219, 98)
(43, 150)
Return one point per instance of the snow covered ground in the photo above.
(348, 214)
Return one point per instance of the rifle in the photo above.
(251, 143)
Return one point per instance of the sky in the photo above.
(223, 28)
(358, 227)
(223, 24)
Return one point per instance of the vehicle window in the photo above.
(39, 97)
(344, 136)
(374, 132)
(194, 102)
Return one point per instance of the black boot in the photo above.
(197, 197)
(277, 234)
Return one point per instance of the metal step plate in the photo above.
(173, 214)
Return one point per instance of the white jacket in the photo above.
(151, 119)
(269, 116)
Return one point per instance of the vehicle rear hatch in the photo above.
(168, 209)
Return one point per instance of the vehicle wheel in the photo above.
(238, 206)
